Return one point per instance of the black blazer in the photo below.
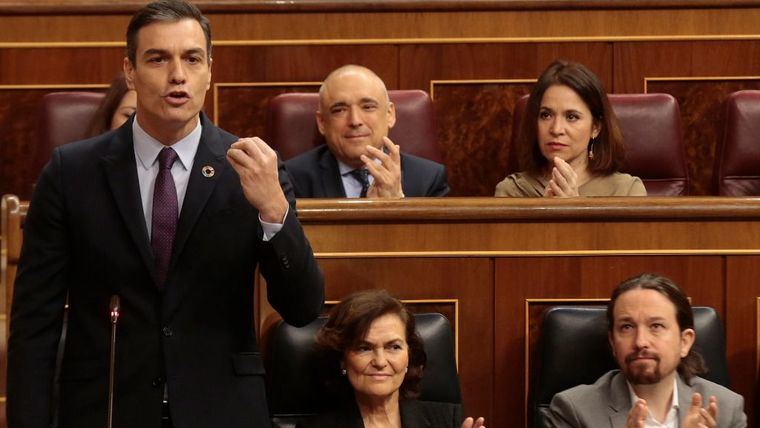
(315, 174)
(414, 414)
(85, 237)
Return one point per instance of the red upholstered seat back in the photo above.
(651, 127)
(737, 161)
(292, 127)
(65, 117)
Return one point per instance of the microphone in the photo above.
(115, 312)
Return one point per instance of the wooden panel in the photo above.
(424, 278)
(242, 110)
(22, 149)
(292, 24)
(56, 66)
(475, 125)
(701, 103)
(743, 290)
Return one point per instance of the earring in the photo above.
(591, 148)
(343, 372)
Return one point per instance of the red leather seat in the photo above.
(737, 159)
(65, 117)
(292, 127)
(651, 127)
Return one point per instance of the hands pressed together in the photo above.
(696, 417)
(564, 181)
(474, 423)
(256, 164)
(387, 174)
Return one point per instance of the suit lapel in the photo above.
(199, 187)
(121, 173)
(331, 180)
(620, 401)
(684, 398)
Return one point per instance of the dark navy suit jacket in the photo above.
(85, 237)
(315, 174)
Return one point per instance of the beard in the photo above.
(640, 372)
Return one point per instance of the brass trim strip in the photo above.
(523, 253)
(404, 41)
(474, 81)
(56, 86)
(693, 79)
(218, 85)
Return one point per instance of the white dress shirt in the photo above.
(671, 419)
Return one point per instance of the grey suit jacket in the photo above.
(607, 402)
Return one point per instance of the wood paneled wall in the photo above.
(475, 58)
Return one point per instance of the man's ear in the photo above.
(612, 344)
(320, 124)
(210, 61)
(687, 340)
(129, 73)
(391, 114)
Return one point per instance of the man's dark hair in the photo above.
(692, 364)
(164, 11)
(608, 148)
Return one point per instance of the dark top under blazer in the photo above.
(85, 237)
(315, 174)
(414, 414)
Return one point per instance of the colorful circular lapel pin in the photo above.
(208, 171)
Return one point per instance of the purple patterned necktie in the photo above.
(164, 220)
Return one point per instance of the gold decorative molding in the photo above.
(571, 253)
(405, 41)
(56, 86)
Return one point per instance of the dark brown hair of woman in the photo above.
(608, 148)
(348, 324)
(101, 121)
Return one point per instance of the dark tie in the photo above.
(164, 222)
(362, 176)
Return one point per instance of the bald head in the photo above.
(352, 71)
(354, 112)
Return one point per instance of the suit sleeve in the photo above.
(295, 287)
(738, 417)
(562, 413)
(440, 185)
(38, 302)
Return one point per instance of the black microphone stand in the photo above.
(115, 307)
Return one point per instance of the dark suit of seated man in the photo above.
(651, 331)
(359, 159)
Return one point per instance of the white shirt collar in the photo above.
(147, 147)
(672, 413)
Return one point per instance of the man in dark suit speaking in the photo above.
(171, 214)
(359, 160)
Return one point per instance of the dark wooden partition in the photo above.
(493, 265)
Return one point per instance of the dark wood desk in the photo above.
(492, 265)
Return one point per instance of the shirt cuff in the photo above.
(271, 229)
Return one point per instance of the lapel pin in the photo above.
(208, 171)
